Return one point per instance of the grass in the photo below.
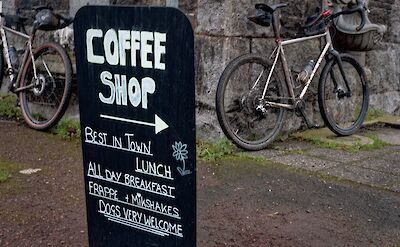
(4, 175)
(213, 151)
(8, 107)
(68, 129)
(377, 144)
(7, 169)
(374, 114)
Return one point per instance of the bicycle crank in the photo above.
(300, 111)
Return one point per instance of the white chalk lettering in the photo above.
(126, 144)
(113, 176)
(154, 206)
(119, 91)
(90, 35)
(140, 147)
(109, 209)
(92, 136)
(140, 220)
(104, 191)
(151, 47)
(94, 170)
(154, 169)
(149, 186)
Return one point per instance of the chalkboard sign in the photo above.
(135, 70)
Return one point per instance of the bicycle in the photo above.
(252, 99)
(42, 79)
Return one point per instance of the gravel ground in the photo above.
(241, 202)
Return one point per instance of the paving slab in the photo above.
(365, 176)
(395, 157)
(389, 135)
(393, 148)
(305, 162)
(281, 148)
(324, 135)
(382, 165)
(340, 155)
(393, 121)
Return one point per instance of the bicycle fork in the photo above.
(340, 92)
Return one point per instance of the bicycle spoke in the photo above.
(242, 113)
(343, 112)
(46, 100)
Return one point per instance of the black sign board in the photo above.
(135, 70)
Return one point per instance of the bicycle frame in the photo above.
(279, 52)
(28, 53)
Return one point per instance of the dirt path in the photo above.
(240, 202)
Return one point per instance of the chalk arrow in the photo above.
(159, 125)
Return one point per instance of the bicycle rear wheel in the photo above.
(47, 97)
(244, 117)
(342, 110)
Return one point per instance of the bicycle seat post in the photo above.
(275, 25)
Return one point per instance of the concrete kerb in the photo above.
(325, 136)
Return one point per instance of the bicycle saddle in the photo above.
(41, 7)
(270, 9)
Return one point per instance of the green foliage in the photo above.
(4, 175)
(68, 129)
(377, 144)
(374, 114)
(8, 107)
(213, 151)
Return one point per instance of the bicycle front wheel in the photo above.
(245, 118)
(47, 96)
(343, 106)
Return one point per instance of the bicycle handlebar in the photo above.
(361, 9)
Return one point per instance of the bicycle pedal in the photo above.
(315, 126)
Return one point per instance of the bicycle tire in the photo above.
(245, 100)
(343, 114)
(53, 86)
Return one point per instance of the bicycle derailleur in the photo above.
(253, 104)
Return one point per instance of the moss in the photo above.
(8, 107)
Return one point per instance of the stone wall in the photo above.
(384, 63)
(223, 32)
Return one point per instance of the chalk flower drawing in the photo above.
(181, 154)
